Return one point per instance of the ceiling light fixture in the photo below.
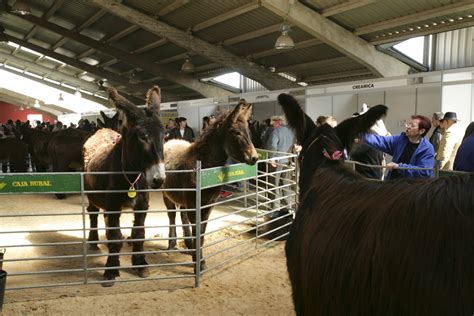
(21, 7)
(61, 98)
(101, 85)
(187, 65)
(133, 78)
(36, 105)
(284, 41)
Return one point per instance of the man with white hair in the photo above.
(281, 140)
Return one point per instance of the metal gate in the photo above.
(45, 240)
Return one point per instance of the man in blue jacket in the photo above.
(408, 150)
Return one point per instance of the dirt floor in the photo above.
(255, 284)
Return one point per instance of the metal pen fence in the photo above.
(46, 239)
(436, 171)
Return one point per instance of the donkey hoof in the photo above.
(172, 245)
(110, 282)
(143, 272)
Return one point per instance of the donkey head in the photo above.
(142, 134)
(238, 143)
(108, 122)
(324, 145)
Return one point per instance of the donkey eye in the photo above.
(143, 136)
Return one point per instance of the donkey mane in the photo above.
(368, 248)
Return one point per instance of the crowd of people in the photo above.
(448, 147)
(13, 129)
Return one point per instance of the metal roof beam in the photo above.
(345, 6)
(416, 18)
(226, 16)
(337, 37)
(111, 39)
(432, 29)
(56, 5)
(173, 6)
(314, 64)
(55, 75)
(212, 52)
(91, 69)
(251, 35)
(299, 45)
(86, 23)
(337, 75)
(134, 60)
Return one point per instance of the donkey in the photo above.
(108, 122)
(227, 137)
(358, 247)
(138, 148)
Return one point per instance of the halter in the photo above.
(335, 155)
(132, 184)
(311, 144)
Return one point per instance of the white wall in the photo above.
(458, 98)
(344, 106)
(401, 104)
(319, 105)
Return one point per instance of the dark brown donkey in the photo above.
(228, 137)
(137, 149)
(14, 151)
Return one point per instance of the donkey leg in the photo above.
(205, 212)
(139, 233)
(172, 228)
(186, 230)
(93, 232)
(59, 166)
(113, 260)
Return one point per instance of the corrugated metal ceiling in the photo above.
(72, 14)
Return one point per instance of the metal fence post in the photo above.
(197, 240)
(256, 206)
(84, 235)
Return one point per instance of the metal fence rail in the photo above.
(46, 239)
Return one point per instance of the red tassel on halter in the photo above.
(335, 155)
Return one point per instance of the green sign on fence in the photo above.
(40, 183)
(262, 155)
(222, 175)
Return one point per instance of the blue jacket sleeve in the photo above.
(423, 159)
(387, 144)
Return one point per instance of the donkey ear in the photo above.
(301, 123)
(350, 128)
(105, 117)
(100, 123)
(243, 110)
(132, 113)
(153, 99)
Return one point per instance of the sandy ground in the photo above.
(256, 284)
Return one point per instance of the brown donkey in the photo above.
(137, 149)
(227, 137)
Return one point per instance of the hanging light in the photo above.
(60, 99)
(187, 65)
(284, 41)
(36, 105)
(101, 85)
(21, 7)
(78, 93)
(133, 78)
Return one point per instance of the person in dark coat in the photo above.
(183, 131)
(464, 160)
(437, 134)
